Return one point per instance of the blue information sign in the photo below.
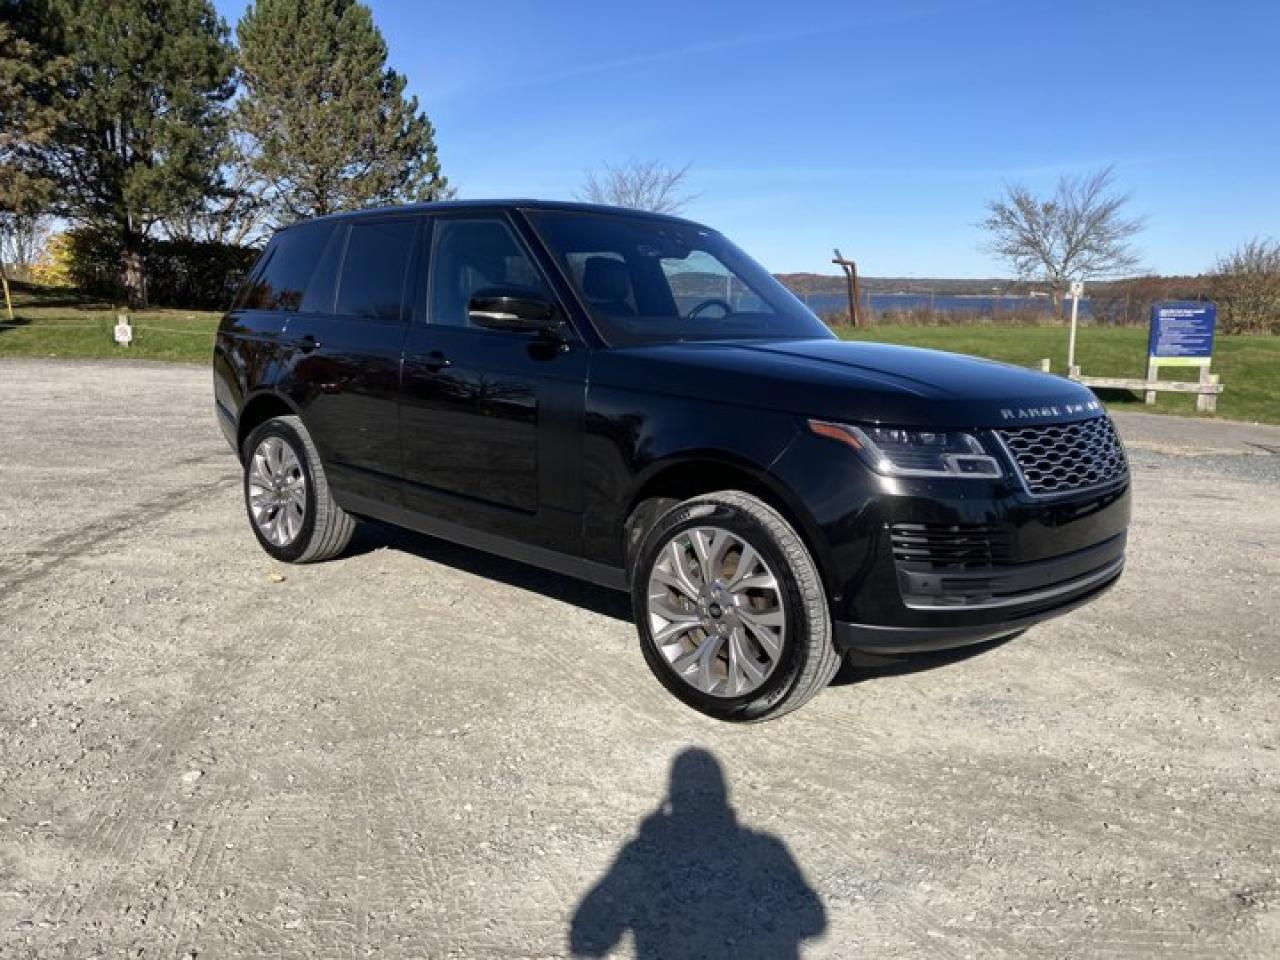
(1182, 333)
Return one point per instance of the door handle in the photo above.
(435, 361)
(308, 343)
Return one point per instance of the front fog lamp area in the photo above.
(897, 452)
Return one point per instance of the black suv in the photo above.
(629, 398)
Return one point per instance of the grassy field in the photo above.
(64, 324)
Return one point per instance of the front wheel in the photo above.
(291, 509)
(730, 608)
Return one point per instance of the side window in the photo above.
(468, 255)
(372, 282)
(288, 264)
(324, 282)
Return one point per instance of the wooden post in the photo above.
(850, 269)
(1207, 402)
(8, 301)
(1045, 364)
(1153, 373)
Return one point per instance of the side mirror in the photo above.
(518, 309)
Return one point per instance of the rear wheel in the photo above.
(730, 608)
(291, 509)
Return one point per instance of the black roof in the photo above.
(446, 205)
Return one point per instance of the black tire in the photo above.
(808, 659)
(326, 528)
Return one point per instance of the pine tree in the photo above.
(29, 71)
(133, 127)
(332, 127)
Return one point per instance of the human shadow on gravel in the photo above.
(371, 536)
(694, 882)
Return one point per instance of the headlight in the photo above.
(899, 452)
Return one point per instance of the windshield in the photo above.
(650, 281)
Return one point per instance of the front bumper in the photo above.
(925, 564)
(894, 639)
(1009, 587)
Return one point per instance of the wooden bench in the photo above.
(1206, 389)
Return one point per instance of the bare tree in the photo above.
(1247, 283)
(22, 238)
(640, 184)
(1080, 231)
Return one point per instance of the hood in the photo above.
(843, 380)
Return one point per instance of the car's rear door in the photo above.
(491, 421)
(348, 335)
(251, 348)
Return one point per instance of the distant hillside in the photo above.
(807, 283)
(811, 283)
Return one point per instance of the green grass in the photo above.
(65, 324)
(62, 323)
(1249, 365)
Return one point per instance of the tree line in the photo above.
(145, 120)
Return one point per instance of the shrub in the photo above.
(1246, 285)
(180, 273)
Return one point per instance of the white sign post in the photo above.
(1077, 291)
(123, 332)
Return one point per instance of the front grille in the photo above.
(951, 546)
(1062, 457)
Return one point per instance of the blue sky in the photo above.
(880, 128)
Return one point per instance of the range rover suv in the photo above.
(628, 398)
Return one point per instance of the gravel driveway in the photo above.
(422, 751)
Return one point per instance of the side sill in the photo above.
(601, 574)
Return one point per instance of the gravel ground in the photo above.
(421, 751)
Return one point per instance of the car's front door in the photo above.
(490, 420)
(349, 335)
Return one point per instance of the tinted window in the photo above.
(646, 279)
(287, 267)
(372, 282)
(324, 282)
(469, 255)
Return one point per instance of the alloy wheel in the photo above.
(716, 611)
(277, 491)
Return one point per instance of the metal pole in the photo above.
(1071, 342)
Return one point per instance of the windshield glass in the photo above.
(650, 281)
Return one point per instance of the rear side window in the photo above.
(324, 282)
(372, 282)
(287, 267)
